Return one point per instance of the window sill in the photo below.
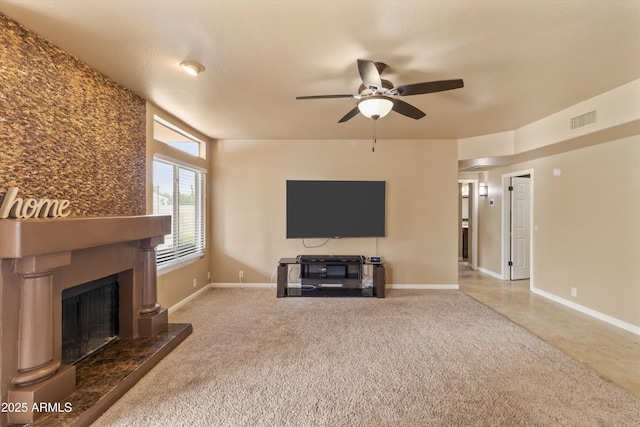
(176, 265)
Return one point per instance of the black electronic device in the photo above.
(331, 258)
(375, 259)
(335, 209)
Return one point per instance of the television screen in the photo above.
(335, 209)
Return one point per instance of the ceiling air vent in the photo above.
(582, 120)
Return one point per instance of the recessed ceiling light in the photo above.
(192, 67)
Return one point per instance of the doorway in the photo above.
(517, 225)
(468, 222)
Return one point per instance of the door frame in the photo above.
(506, 225)
(473, 235)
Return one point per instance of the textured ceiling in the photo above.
(520, 60)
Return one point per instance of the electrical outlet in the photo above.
(195, 283)
(209, 276)
(574, 292)
(241, 274)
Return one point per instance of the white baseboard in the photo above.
(588, 311)
(297, 285)
(191, 297)
(421, 286)
(243, 285)
(491, 273)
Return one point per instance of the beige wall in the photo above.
(613, 108)
(67, 131)
(586, 230)
(174, 285)
(489, 224)
(496, 144)
(249, 217)
(589, 233)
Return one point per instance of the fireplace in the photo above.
(89, 318)
(46, 268)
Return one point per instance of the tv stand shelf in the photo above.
(330, 275)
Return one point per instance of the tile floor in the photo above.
(612, 352)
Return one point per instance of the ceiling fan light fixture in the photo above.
(375, 106)
(192, 67)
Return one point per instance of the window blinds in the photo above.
(179, 191)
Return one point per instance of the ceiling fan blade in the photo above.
(369, 74)
(428, 87)
(407, 109)
(324, 96)
(349, 115)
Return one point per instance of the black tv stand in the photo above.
(330, 275)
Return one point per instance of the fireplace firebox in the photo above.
(89, 318)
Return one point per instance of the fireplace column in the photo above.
(35, 342)
(35, 351)
(152, 318)
(40, 377)
(149, 281)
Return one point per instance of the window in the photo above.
(164, 131)
(179, 191)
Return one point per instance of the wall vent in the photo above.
(582, 120)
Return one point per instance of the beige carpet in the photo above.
(415, 358)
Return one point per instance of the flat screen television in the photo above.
(335, 209)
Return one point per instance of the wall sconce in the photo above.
(483, 189)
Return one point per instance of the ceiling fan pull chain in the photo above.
(375, 139)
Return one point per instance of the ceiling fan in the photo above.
(377, 97)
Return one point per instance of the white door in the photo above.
(520, 192)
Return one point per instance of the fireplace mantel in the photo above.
(39, 258)
(31, 237)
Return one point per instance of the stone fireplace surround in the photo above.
(39, 258)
